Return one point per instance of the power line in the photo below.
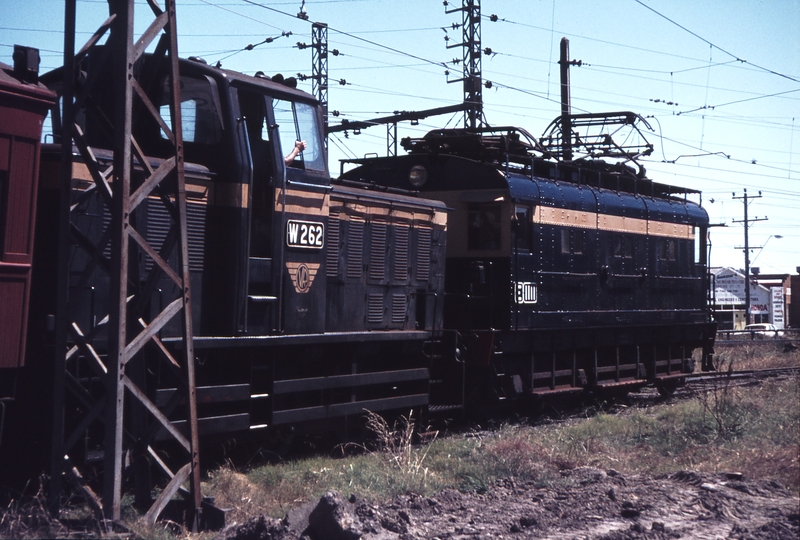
(433, 62)
(714, 45)
(614, 43)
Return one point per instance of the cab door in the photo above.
(300, 219)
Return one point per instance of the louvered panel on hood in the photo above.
(377, 250)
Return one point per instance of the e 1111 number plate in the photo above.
(525, 292)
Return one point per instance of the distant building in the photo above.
(770, 298)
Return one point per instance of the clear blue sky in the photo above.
(730, 68)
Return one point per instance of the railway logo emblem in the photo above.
(302, 275)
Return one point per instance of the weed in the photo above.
(30, 519)
(721, 400)
(397, 443)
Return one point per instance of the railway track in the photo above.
(701, 381)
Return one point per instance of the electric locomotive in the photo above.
(561, 276)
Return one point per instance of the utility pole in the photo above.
(745, 199)
(566, 119)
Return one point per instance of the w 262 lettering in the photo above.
(305, 234)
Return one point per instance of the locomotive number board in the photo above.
(305, 234)
(525, 292)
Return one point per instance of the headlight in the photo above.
(417, 176)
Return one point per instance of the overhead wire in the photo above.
(736, 57)
(356, 37)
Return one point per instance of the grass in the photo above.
(760, 354)
(672, 436)
(754, 429)
(750, 429)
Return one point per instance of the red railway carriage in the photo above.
(24, 103)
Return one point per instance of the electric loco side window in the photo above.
(623, 247)
(483, 227)
(298, 122)
(565, 247)
(571, 242)
(667, 249)
(200, 117)
(522, 228)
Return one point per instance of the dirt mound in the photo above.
(583, 503)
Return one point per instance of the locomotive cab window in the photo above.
(483, 227)
(298, 122)
(200, 116)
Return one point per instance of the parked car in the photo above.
(763, 330)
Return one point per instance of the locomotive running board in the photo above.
(210, 425)
(349, 408)
(348, 381)
(216, 342)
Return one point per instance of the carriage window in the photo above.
(483, 227)
(298, 122)
(200, 115)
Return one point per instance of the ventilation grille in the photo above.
(377, 251)
(401, 252)
(399, 306)
(332, 244)
(374, 308)
(355, 248)
(423, 254)
(158, 224)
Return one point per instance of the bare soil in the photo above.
(584, 503)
